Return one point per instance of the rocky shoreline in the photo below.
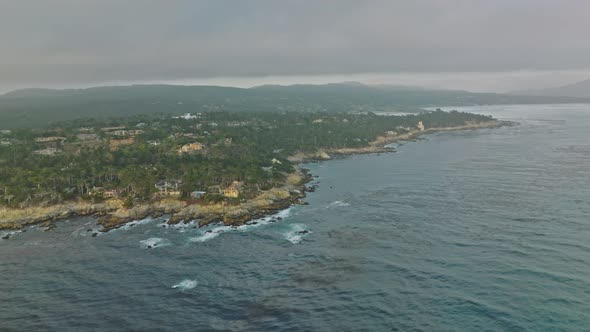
(380, 144)
(111, 214)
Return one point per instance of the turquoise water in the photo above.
(483, 230)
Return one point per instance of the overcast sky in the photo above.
(475, 45)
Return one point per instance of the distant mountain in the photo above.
(577, 90)
(39, 107)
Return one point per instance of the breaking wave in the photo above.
(154, 242)
(186, 284)
(208, 234)
(296, 233)
(338, 204)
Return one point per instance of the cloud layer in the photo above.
(83, 41)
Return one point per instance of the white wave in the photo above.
(181, 227)
(296, 233)
(209, 234)
(131, 224)
(186, 284)
(8, 234)
(338, 204)
(154, 242)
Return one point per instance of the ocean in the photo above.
(478, 230)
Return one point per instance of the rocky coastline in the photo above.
(112, 214)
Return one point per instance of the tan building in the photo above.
(233, 191)
(114, 144)
(191, 147)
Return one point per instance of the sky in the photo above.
(475, 45)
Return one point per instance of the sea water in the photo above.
(462, 231)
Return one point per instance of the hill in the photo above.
(576, 90)
(38, 107)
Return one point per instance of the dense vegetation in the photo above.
(251, 147)
(36, 107)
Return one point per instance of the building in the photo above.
(233, 191)
(191, 147)
(198, 194)
(111, 128)
(124, 132)
(86, 137)
(111, 193)
(275, 161)
(420, 126)
(49, 139)
(171, 193)
(169, 187)
(47, 152)
(114, 144)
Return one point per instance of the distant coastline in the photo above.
(112, 214)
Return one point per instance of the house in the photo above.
(233, 191)
(110, 193)
(120, 132)
(47, 152)
(188, 116)
(276, 161)
(198, 194)
(86, 137)
(166, 186)
(420, 126)
(111, 128)
(171, 193)
(5, 141)
(154, 143)
(214, 190)
(123, 132)
(169, 187)
(114, 144)
(49, 139)
(191, 147)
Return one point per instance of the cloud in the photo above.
(83, 41)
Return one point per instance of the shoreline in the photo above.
(111, 214)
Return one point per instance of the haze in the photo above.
(472, 45)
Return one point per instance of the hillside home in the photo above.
(191, 147)
(198, 194)
(47, 152)
(49, 139)
(233, 191)
(114, 144)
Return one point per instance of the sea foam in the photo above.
(212, 233)
(296, 233)
(338, 204)
(186, 284)
(154, 242)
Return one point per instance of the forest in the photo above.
(94, 158)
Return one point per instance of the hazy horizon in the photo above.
(474, 46)
(497, 82)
